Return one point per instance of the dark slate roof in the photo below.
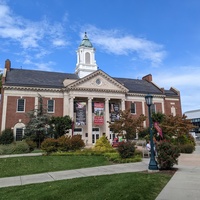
(33, 78)
(170, 93)
(139, 86)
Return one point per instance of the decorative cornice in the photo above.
(143, 95)
(95, 90)
(32, 88)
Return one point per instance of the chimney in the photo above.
(7, 64)
(147, 78)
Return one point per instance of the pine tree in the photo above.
(36, 128)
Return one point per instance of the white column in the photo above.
(107, 118)
(66, 104)
(163, 108)
(3, 123)
(89, 121)
(143, 112)
(36, 105)
(71, 108)
(123, 104)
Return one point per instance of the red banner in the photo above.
(157, 127)
(99, 113)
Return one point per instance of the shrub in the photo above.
(64, 143)
(49, 145)
(167, 154)
(102, 144)
(6, 137)
(76, 142)
(20, 147)
(126, 149)
(32, 145)
(6, 149)
(187, 148)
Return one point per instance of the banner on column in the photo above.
(114, 111)
(99, 113)
(80, 113)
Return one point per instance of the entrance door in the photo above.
(95, 135)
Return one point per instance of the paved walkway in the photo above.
(184, 185)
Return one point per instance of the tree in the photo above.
(59, 125)
(176, 127)
(128, 123)
(36, 129)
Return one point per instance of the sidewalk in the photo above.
(183, 185)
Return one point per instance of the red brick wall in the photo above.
(176, 104)
(138, 107)
(158, 107)
(58, 109)
(12, 116)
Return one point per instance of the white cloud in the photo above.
(186, 80)
(45, 66)
(115, 42)
(29, 34)
(59, 42)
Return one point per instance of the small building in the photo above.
(194, 116)
(89, 96)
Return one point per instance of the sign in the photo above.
(157, 127)
(80, 113)
(99, 113)
(114, 112)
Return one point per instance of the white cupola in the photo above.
(86, 63)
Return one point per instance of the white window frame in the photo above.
(153, 108)
(132, 103)
(53, 110)
(23, 105)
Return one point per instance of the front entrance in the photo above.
(95, 135)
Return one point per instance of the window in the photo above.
(20, 105)
(87, 58)
(173, 110)
(153, 108)
(133, 108)
(19, 134)
(50, 108)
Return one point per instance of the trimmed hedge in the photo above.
(15, 148)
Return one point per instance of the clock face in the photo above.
(98, 81)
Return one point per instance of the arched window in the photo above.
(87, 58)
(18, 131)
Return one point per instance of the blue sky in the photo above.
(132, 38)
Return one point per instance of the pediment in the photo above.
(99, 81)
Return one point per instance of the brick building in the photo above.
(89, 96)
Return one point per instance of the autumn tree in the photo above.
(177, 128)
(128, 124)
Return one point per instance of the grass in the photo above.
(38, 164)
(134, 186)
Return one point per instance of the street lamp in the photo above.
(152, 163)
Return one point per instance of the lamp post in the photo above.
(152, 163)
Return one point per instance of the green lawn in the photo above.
(38, 164)
(130, 186)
